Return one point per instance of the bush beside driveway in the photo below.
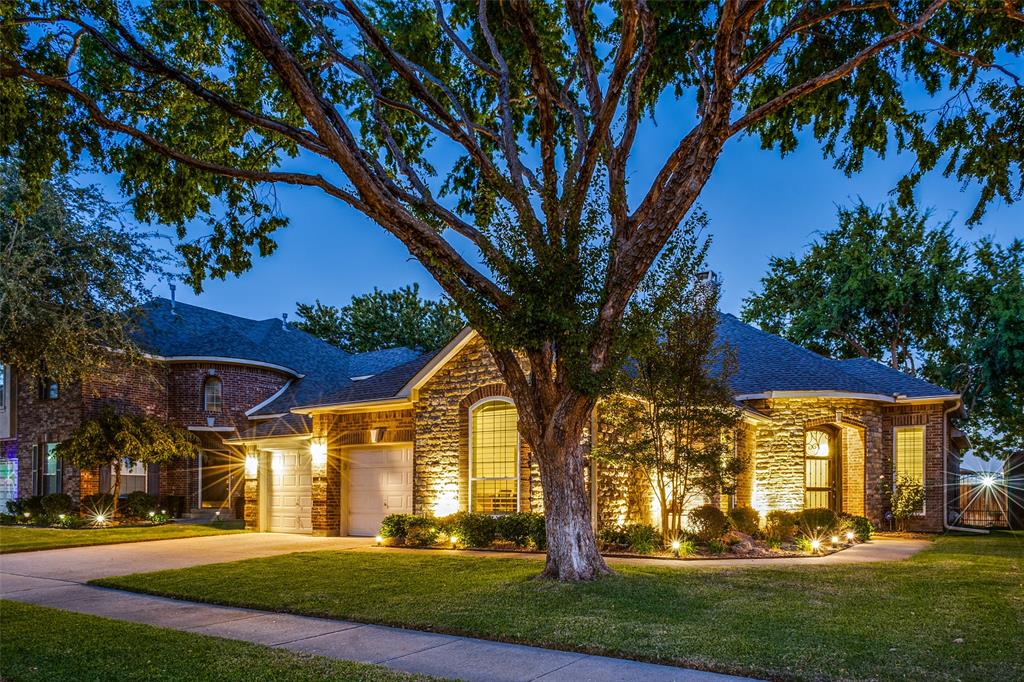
(954, 611)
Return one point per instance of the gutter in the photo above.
(945, 476)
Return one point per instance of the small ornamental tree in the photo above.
(110, 438)
(480, 134)
(384, 319)
(906, 500)
(674, 407)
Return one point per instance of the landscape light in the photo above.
(849, 536)
(152, 513)
(61, 516)
(675, 547)
(28, 514)
(815, 545)
(379, 539)
(835, 539)
(100, 518)
(988, 480)
(454, 539)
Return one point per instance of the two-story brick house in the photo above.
(311, 439)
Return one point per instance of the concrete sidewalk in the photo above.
(407, 650)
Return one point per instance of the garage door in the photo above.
(380, 483)
(291, 500)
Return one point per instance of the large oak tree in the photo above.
(508, 124)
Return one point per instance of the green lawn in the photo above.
(46, 644)
(897, 620)
(28, 539)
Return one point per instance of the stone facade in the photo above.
(441, 450)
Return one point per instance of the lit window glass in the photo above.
(494, 459)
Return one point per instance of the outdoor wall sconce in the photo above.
(318, 451)
(252, 465)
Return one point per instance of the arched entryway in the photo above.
(821, 468)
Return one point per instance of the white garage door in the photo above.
(291, 500)
(380, 483)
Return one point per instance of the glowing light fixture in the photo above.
(101, 518)
(849, 536)
(454, 539)
(988, 480)
(835, 539)
(61, 516)
(252, 465)
(815, 545)
(446, 503)
(28, 514)
(152, 513)
(675, 548)
(378, 539)
(318, 451)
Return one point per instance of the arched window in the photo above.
(819, 469)
(212, 394)
(493, 457)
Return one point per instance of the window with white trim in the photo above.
(133, 476)
(493, 458)
(909, 445)
(51, 471)
(213, 394)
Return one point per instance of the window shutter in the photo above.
(153, 479)
(35, 470)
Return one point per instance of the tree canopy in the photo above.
(72, 276)
(112, 436)
(383, 320)
(505, 127)
(884, 284)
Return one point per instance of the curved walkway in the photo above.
(56, 578)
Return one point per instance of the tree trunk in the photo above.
(572, 545)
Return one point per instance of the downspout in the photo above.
(945, 475)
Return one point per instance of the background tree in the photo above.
(883, 285)
(981, 354)
(110, 438)
(677, 417)
(880, 285)
(72, 275)
(384, 320)
(499, 126)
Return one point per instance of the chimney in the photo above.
(707, 284)
(284, 321)
(173, 287)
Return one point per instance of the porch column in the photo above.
(251, 491)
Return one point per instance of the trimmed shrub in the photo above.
(745, 520)
(71, 521)
(474, 529)
(395, 525)
(539, 532)
(33, 506)
(98, 503)
(780, 526)
(708, 523)
(56, 504)
(614, 536)
(515, 528)
(421, 532)
(819, 520)
(642, 538)
(138, 504)
(861, 527)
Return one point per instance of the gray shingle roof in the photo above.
(190, 330)
(770, 363)
(286, 425)
(384, 385)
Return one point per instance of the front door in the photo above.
(218, 470)
(819, 470)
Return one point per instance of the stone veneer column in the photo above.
(252, 504)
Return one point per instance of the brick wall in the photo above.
(40, 420)
(931, 417)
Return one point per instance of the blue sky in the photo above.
(759, 204)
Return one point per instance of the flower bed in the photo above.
(710, 534)
(96, 511)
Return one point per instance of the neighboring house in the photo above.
(316, 440)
